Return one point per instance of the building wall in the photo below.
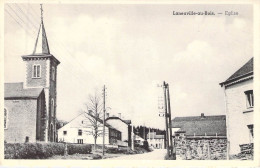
(72, 132)
(238, 116)
(21, 121)
(120, 126)
(156, 143)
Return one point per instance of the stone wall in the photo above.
(21, 120)
(201, 148)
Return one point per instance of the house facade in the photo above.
(239, 103)
(30, 107)
(80, 130)
(155, 141)
(200, 137)
(124, 126)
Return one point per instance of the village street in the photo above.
(157, 154)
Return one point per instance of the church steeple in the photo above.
(41, 44)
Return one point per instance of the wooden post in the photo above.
(166, 122)
(172, 147)
(104, 112)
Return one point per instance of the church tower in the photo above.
(41, 72)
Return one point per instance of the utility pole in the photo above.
(104, 112)
(172, 147)
(166, 120)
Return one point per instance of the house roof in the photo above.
(153, 135)
(16, 90)
(128, 122)
(98, 119)
(246, 70)
(201, 125)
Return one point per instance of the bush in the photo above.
(41, 150)
(79, 148)
(146, 145)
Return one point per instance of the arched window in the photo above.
(53, 73)
(52, 107)
(5, 118)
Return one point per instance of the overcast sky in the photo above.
(132, 48)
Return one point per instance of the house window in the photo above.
(249, 98)
(80, 141)
(53, 73)
(64, 132)
(251, 130)
(52, 107)
(36, 71)
(79, 132)
(5, 118)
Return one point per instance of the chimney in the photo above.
(202, 115)
(107, 115)
(119, 115)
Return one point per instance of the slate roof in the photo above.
(201, 125)
(16, 90)
(245, 70)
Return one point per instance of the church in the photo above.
(30, 106)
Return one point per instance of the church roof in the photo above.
(41, 44)
(246, 70)
(16, 90)
(199, 125)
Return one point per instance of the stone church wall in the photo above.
(21, 122)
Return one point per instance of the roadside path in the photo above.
(157, 154)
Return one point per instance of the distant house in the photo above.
(155, 141)
(138, 140)
(79, 130)
(124, 126)
(200, 137)
(30, 106)
(239, 102)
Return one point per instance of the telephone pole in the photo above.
(104, 112)
(172, 145)
(166, 120)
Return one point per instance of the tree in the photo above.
(94, 114)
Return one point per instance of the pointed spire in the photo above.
(41, 44)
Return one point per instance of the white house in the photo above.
(79, 130)
(155, 141)
(239, 102)
(124, 126)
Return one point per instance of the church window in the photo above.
(52, 107)
(36, 71)
(5, 118)
(249, 98)
(64, 132)
(53, 73)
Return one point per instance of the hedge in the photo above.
(42, 150)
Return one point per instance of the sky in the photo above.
(131, 48)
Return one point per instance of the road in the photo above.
(157, 154)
